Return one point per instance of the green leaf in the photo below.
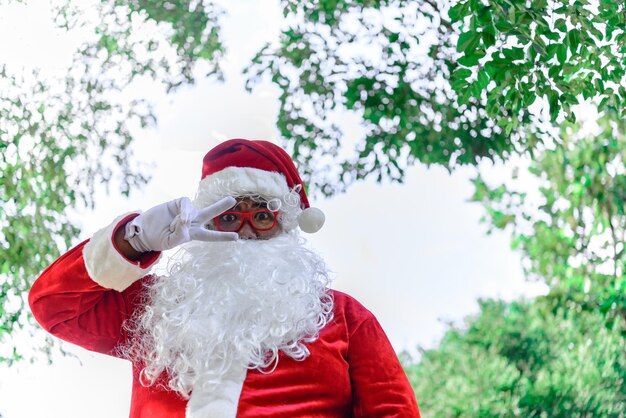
(504, 26)
(458, 11)
(553, 36)
(462, 73)
(602, 104)
(482, 79)
(573, 40)
(490, 69)
(561, 53)
(569, 98)
(459, 85)
(470, 60)
(468, 42)
(536, 49)
(553, 101)
(561, 25)
(489, 36)
(554, 71)
(513, 53)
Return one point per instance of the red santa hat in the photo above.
(243, 167)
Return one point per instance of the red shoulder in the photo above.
(350, 310)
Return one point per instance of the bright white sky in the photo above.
(414, 254)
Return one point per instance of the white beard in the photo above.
(234, 304)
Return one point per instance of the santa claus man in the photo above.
(244, 323)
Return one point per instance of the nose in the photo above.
(247, 232)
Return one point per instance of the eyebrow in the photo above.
(255, 205)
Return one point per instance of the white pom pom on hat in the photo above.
(311, 220)
(255, 167)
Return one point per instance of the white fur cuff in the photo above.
(105, 265)
(221, 402)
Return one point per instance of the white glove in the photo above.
(173, 223)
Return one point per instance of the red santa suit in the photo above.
(352, 370)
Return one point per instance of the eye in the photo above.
(228, 217)
(263, 216)
(263, 219)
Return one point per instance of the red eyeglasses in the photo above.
(261, 220)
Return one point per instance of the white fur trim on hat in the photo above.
(221, 402)
(241, 181)
(105, 265)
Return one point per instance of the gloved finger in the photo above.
(203, 234)
(180, 233)
(205, 215)
(186, 210)
(173, 207)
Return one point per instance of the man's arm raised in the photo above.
(85, 296)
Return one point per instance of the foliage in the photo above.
(517, 51)
(60, 138)
(574, 240)
(389, 64)
(523, 360)
(561, 355)
(433, 83)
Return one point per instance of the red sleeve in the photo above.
(70, 305)
(380, 387)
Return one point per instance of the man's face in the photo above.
(252, 218)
